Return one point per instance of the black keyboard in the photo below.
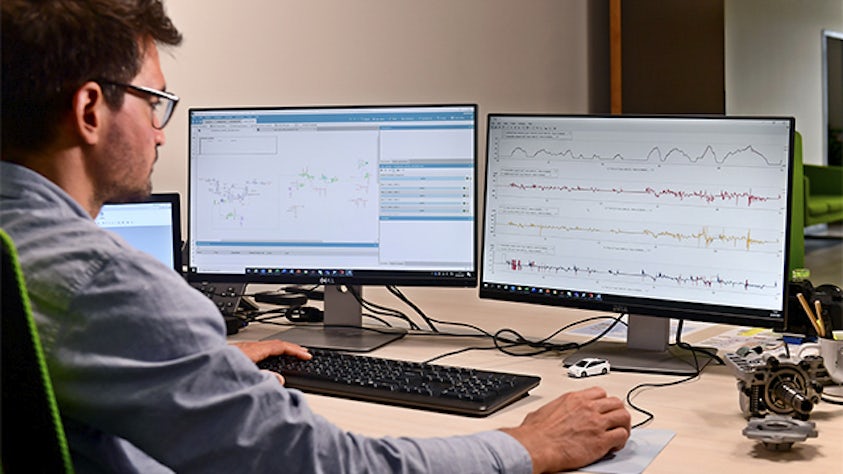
(412, 384)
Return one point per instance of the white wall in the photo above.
(773, 61)
(507, 56)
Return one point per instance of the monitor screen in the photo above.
(339, 195)
(152, 225)
(654, 217)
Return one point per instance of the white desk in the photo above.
(704, 413)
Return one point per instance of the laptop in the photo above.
(152, 225)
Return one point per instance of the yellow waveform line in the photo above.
(702, 235)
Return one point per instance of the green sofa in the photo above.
(823, 194)
(817, 199)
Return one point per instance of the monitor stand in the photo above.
(647, 350)
(342, 328)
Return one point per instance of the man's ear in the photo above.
(89, 110)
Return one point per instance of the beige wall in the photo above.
(773, 61)
(507, 56)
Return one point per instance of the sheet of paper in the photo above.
(735, 338)
(641, 448)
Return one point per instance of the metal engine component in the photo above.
(778, 432)
(769, 385)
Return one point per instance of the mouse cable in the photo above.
(649, 416)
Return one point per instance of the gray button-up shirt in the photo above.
(144, 377)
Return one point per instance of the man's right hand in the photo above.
(574, 430)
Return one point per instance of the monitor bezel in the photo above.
(174, 199)
(462, 279)
(702, 312)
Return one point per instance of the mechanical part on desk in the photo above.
(779, 432)
(777, 384)
(777, 393)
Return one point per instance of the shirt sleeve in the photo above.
(141, 356)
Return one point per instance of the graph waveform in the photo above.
(654, 153)
(703, 236)
(706, 281)
(705, 196)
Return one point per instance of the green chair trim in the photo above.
(11, 251)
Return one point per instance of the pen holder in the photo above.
(798, 322)
(831, 299)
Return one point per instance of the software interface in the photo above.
(147, 226)
(332, 191)
(666, 212)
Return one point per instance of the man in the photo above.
(144, 378)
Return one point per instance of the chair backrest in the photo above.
(33, 437)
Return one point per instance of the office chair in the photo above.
(33, 437)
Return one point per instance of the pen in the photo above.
(809, 313)
(819, 307)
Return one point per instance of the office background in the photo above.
(506, 56)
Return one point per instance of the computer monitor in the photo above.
(655, 217)
(152, 225)
(342, 196)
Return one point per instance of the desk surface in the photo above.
(704, 412)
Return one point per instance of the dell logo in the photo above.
(326, 281)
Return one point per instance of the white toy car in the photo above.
(589, 366)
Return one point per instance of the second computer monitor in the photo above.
(665, 217)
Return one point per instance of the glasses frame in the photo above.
(171, 99)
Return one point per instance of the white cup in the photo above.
(832, 353)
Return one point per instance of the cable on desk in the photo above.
(381, 310)
(541, 346)
(695, 349)
(833, 401)
(398, 294)
(649, 415)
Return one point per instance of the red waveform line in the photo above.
(706, 196)
(516, 265)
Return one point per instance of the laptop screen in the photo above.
(152, 225)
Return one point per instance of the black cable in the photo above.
(377, 318)
(697, 371)
(504, 344)
(695, 349)
(381, 310)
(395, 291)
(826, 399)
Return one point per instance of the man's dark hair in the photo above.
(51, 47)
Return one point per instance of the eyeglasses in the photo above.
(162, 108)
